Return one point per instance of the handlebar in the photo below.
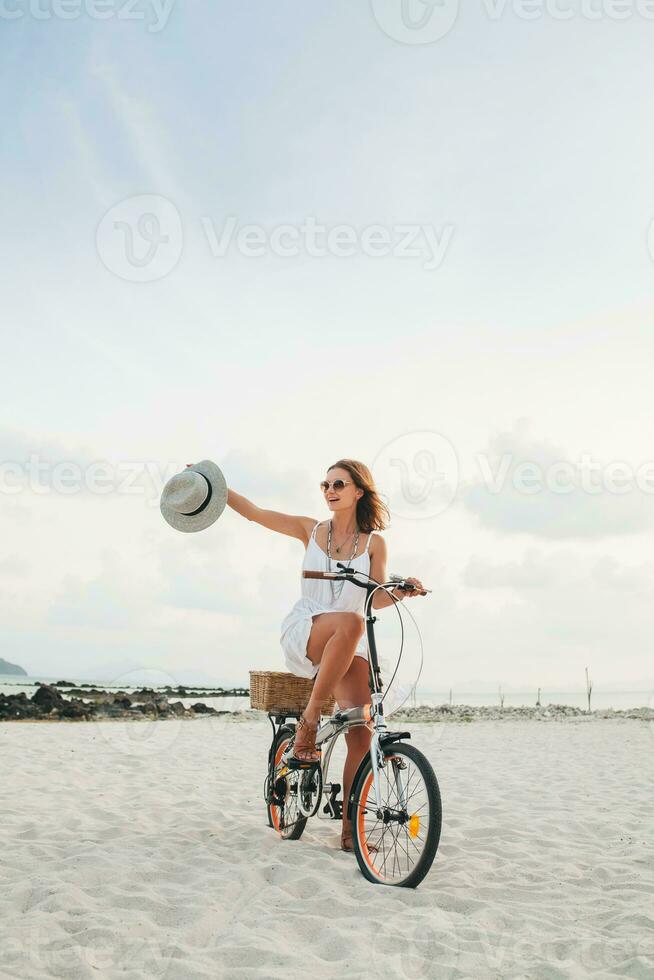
(396, 583)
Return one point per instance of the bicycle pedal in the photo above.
(335, 810)
(301, 764)
(333, 806)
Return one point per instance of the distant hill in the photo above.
(7, 668)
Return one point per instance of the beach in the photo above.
(142, 850)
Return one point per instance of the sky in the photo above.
(414, 234)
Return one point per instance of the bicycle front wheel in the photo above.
(396, 837)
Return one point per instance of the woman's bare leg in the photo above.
(351, 691)
(333, 640)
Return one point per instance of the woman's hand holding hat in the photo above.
(193, 499)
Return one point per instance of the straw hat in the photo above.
(194, 498)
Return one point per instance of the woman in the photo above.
(323, 636)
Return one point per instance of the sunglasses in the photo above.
(337, 485)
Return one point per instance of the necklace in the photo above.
(337, 587)
(337, 547)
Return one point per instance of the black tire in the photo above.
(283, 730)
(287, 823)
(369, 863)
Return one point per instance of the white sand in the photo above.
(142, 850)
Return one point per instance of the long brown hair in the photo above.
(372, 513)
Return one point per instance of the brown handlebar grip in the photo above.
(308, 574)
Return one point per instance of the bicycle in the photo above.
(394, 802)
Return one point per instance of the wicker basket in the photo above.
(275, 691)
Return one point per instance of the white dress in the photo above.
(317, 598)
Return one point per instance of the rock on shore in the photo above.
(49, 704)
(549, 712)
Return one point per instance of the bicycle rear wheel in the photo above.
(283, 810)
(396, 838)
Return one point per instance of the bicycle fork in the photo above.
(377, 758)
(376, 753)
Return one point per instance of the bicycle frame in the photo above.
(339, 723)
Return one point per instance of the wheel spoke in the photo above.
(409, 798)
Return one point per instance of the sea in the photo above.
(14, 684)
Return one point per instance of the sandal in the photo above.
(304, 746)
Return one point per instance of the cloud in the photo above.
(90, 168)
(17, 445)
(36, 464)
(530, 486)
(533, 572)
(558, 570)
(113, 600)
(195, 574)
(263, 478)
(608, 573)
(137, 117)
(236, 568)
(14, 565)
(542, 618)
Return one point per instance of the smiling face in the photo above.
(344, 498)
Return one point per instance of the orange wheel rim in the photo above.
(363, 802)
(274, 810)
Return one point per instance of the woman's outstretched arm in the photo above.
(295, 527)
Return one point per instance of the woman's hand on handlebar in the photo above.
(418, 589)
